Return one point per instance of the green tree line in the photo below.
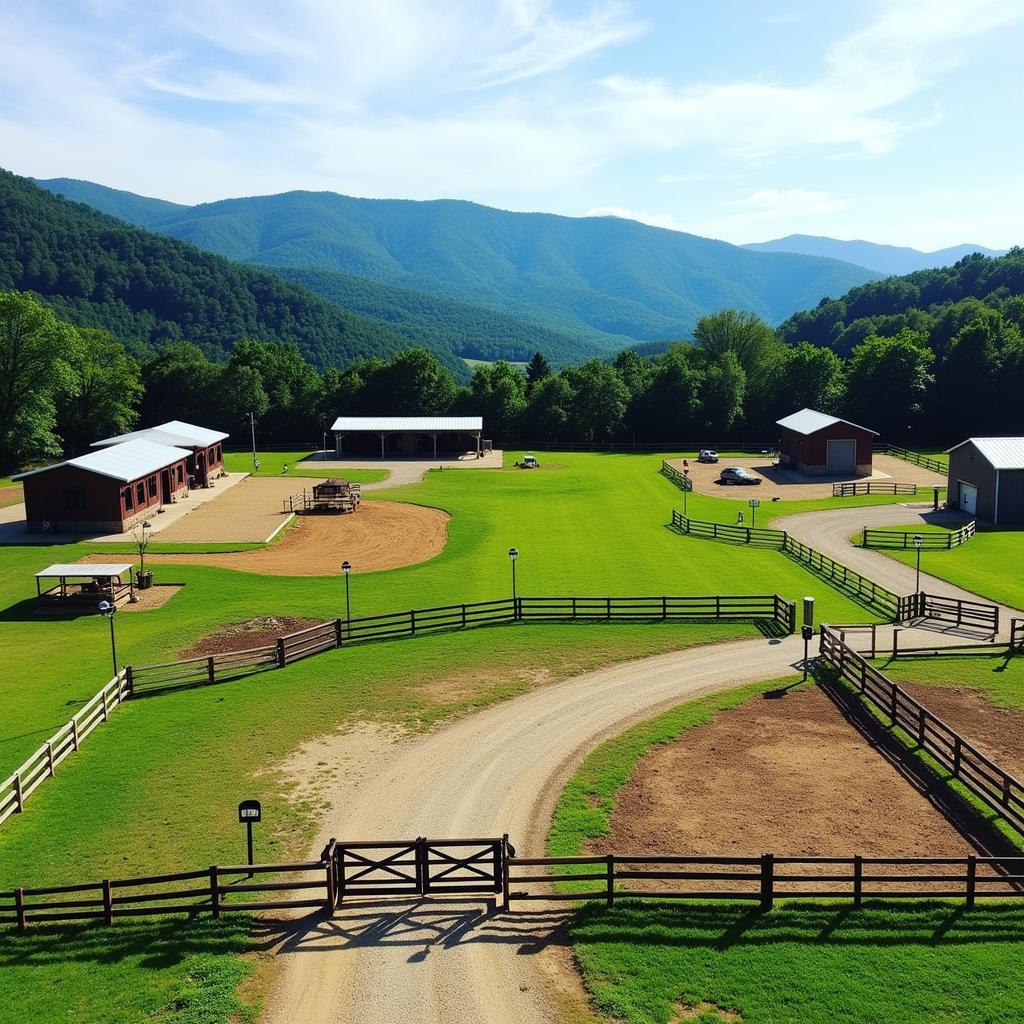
(62, 386)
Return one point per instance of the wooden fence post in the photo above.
(337, 632)
(211, 669)
(214, 894)
(864, 538)
(892, 703)
(19, 799)
(280, 652)
(610, 882)
(103, 702)
(972, 870)
(74, 733)
(505, 896)
(129, 681)
(49, 758)
(767, 881)
(858, 879)
(412, 622)
(920, 726)
(108, 903)
(19, 907)
(956, 755)
(332, 894)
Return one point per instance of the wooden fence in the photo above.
(18, 787)
(915, 457)
(490, 869)
(762, 879)
(855, 487)
(892, 539)
(977, 772)
(681, 480)
(1017, 635)
(840, 576)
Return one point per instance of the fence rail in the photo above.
(679, 478)
(1017, 635)
(855, 487)
(892, 539)
(840, 576)
(490, 869)
(41, 765)
(148, 680)
(915, 457)
(761, 879)
(966, 763)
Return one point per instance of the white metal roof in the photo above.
(809, 421)
(87, 569)
(1001, 452)
(123, 462)
(418, 423)
(173, 432)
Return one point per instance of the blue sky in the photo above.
(892, 120)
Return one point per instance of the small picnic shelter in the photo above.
(85, 584)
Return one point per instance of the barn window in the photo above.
(181, 474)
(127, 495)
(152, 486)
(140, 493)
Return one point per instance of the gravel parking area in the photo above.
(786, 484)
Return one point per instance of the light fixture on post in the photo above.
(109, 610)
(513, 554)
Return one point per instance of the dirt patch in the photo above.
(785, 484)
(997, 732)
(380, 535)
(11, 495)
(702, 1012)
(155, 597)
(788, 775)
(240, 636)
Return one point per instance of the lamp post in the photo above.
(686, 488)
(918, 543)
(252, 425)
(513, 554)
(109, 610)
(346, 568)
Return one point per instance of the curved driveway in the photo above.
(501, 770)
(831, 530)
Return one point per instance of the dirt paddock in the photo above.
(785, 484)
(380, 535)
(791, 775)
(242, 636)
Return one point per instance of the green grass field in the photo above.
(156, 788)
(273, 463)
(990, 564)
(716, 963)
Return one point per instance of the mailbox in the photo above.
(249, 811)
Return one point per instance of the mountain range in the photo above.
(884, 259)
(583, 286)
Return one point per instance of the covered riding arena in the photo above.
(409, 436)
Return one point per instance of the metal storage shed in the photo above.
(407, 436)
(986, 479)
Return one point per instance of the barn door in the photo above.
(968, 498)
(842, 457)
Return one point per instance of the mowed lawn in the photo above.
(923, 963)
(274, 463)
(990, 564)
(156, 789)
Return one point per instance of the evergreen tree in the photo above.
(536, 370)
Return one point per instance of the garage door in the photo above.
(968, 498)
(842, 456)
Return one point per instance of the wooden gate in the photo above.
(418, 867)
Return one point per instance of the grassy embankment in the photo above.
(157, 787)
(923, 962)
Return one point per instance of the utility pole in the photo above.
(252, 425)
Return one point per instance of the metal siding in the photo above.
(966, 463)
(1011, 497)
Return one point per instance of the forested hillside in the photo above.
(148, 290)
(924, 301)
(607, 281)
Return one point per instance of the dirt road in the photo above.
(436, 962)
(830, 531)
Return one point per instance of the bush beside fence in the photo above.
(977, 772)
